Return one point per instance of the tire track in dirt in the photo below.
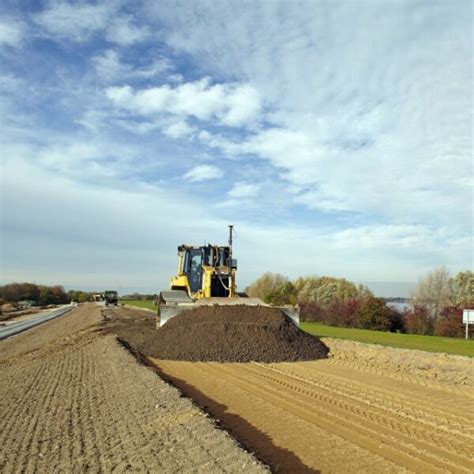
(37, 435)
(81, 402)
(18, 405)
(380, 424)
(377, 421)
(391, 395)
(239, 405)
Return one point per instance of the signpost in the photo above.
(468, 318)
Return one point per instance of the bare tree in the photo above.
(433, 292)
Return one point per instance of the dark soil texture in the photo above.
(217, 333)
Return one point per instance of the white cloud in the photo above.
(109, 67)
(157, 68)
(244, 190)
(95, 161)
(377, 180)
(203, 173)
(229, 104)
(293, 150)
(376, 128)
(407, 237)
(124, 32)
(76, 159)
(141, 127)
(11, 84)
(243, 106)
(80, 21)
(12, 32)
(75, 22)
(178, 129)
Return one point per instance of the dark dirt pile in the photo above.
(133, 326)
(225, 334)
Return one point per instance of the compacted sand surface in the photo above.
(72, 399)
(365, 408)
(335, 417)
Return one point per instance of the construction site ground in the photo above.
(74, 399)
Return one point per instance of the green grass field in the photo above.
(140, 303)
(404, 341)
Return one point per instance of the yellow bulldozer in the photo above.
(207, 276)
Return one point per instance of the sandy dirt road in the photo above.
(72, 400)
(348, 413)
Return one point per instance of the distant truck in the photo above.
(110, 297)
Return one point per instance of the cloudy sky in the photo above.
(336, 136)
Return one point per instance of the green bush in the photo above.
(285, 293)
(374, 314)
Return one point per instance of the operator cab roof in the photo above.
(191, 247)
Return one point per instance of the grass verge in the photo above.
(404, 341)
(147, 304)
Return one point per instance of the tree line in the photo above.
(436, 302)
(41, 295)
(140, 296)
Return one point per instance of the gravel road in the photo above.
(72, 399)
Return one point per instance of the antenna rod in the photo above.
(229, 264)
(231, 227)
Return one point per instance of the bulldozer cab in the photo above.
(192, 267)
(211, 261)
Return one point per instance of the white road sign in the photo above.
(468, 316)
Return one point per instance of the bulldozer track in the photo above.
(379, 423)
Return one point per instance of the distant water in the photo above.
(390, 289)
(399, 306)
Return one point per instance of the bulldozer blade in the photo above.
(172, 303)
(174, 297)
(168, 312)
(176, 304)
(293, 312)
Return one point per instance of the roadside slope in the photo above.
(72, 399)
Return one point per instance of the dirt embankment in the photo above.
(423, 368)
(220, 333)
(73, 400)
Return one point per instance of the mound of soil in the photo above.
(233, 334)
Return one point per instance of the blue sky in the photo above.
(335, 136)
